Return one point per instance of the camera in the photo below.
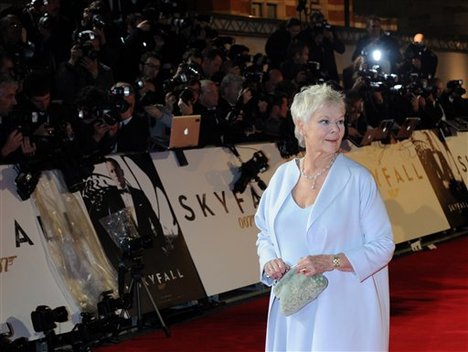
(249, 171)
(28, 121)
(44, 318)
(121, 91)
(106, 116)
(456, 86)
(187, 96)
(98, 21)
(116, 98)
(132, 247)
(84, 43)
(108, 304)
(7, 345)
(186, 72)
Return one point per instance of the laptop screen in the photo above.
(185, 131)
(407, 127)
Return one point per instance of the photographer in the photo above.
(133, 131)
(44, 121)
(452, 101)
(49, 30)
(212, 59)
(98, 18)
(276, 125)
(377, 105)
(140, 39)
(238, 99)
(97, 123)
(323, 42)
(14, 146)
(377, 39)
(419, 59)
(82, 69)
(281, 39)
(149, 81)
(295, 67)
(213, 120)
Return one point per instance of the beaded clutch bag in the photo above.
(295, 290)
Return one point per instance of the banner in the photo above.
(197, 207)
(442, 168)
(411, 203)
(458, 145)
(26, 280)
(164, 261)
(218, 223)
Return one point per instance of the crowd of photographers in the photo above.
(111, 78)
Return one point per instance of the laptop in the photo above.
(361, 141)
(382, 132)
(185, 133)
(379, 133)
(407, 127)
(459, 123)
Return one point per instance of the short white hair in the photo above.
(309, 100)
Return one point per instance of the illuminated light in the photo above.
(376, 55)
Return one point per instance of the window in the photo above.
(271, 11)
(257, 9)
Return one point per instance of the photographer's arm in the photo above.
(12, 143)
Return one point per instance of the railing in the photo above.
(261, 27)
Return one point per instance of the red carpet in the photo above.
(429, 297)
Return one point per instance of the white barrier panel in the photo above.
(218, 225)
(412, 205)
(458, 145)
(26, 280)
(442, 168)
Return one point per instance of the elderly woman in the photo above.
(323, 214)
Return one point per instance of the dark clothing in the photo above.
(69, 80)
(323, 52)
(212, 125)
(428, 59)
(454, 106)
(276, 45)
(134, 136)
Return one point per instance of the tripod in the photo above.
(134, 293)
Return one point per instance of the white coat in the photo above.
(348, 216)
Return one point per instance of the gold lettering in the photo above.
(398, 176)
(387, 176)
(407, 175)
(6, 262)
(246, 221)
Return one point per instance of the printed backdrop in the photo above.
(202, 233)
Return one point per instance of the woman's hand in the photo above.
(276, 268)
(318, 264)
(315, 264)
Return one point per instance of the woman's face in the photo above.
(325, 129)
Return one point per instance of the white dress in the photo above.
(292, 229)
(348, 216)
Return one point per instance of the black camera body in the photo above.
(85, 45)
(44, 318)
(28, 121)
(106, 116)
(186, 72)
(249, 171)
(108, 304)
(187, 95)
(456, 86)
